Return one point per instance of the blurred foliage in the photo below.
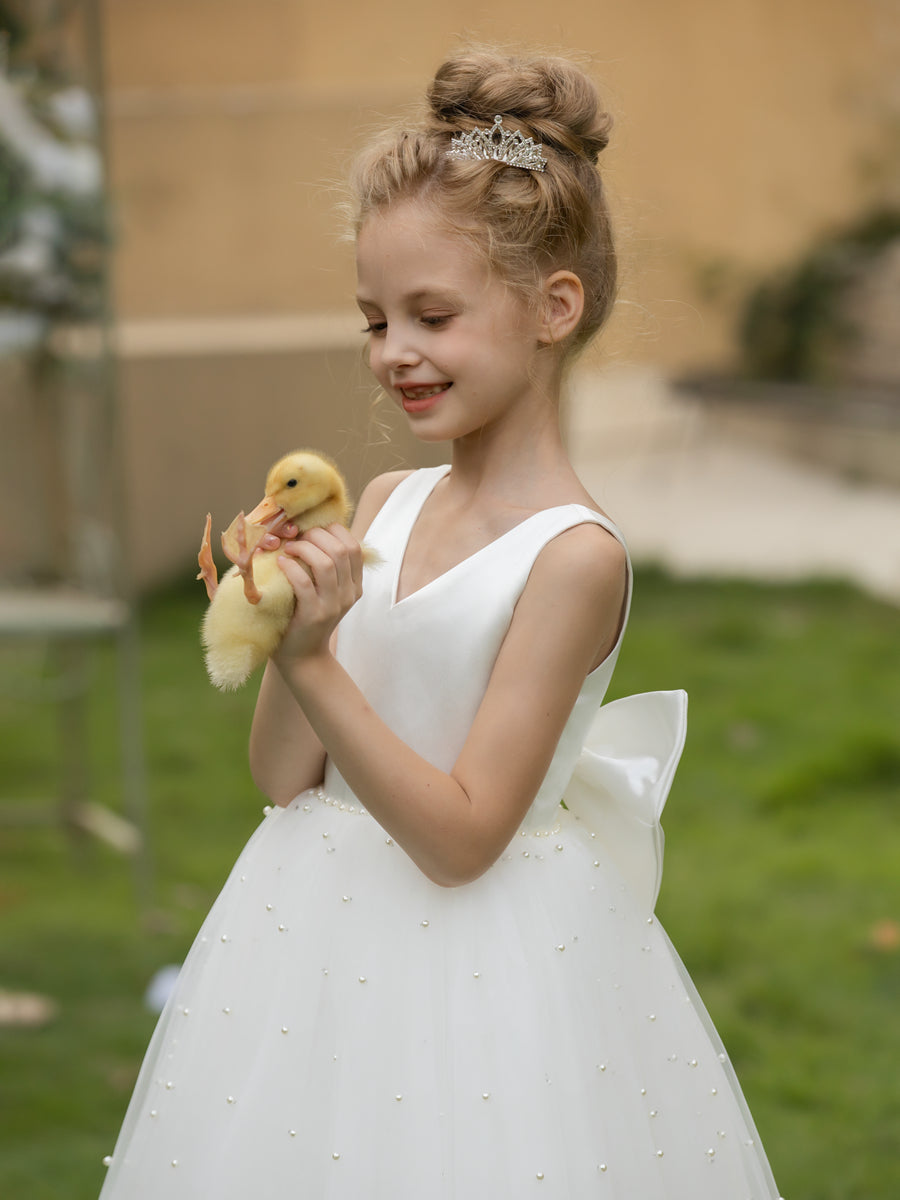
(797, 326)
(13, 26)
(53, 224)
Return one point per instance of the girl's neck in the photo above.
(522, 465)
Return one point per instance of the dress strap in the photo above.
(393, 522)
(536, 531)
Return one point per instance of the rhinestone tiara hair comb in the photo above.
(502, 145)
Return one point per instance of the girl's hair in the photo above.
(525, 223)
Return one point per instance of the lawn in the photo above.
(782, 887)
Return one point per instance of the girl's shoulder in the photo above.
(580, 580)
(587, 552)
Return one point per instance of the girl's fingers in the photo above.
(320, 573)
(345, 547)
(324, 567)
(297, 574)
(273, 541)
(333, 555)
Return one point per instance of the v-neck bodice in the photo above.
(424, 661)
(415, 503)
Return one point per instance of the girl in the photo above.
(425, 977)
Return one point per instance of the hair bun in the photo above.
(552, 99)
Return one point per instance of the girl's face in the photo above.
(451, 344)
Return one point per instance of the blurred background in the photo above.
(176, 310)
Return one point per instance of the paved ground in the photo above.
(701, 502)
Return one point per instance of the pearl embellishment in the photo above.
(604, 980)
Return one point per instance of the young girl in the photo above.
(425, 978)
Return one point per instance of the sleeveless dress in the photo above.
(344, 1029)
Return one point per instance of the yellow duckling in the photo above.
(252, 606)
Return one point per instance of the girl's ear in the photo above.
(563, 307)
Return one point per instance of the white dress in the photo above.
(344, 1029)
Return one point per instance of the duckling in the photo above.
(251, 608)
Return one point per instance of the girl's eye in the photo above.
(376, 327)
(436, 322)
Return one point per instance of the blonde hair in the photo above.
(526, 223)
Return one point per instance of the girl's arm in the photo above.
(286, 755)
(454, 826)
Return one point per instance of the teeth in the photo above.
(424, 392)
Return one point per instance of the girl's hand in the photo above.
(324, 567)
(273, 541)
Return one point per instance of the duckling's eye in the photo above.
(292, 483)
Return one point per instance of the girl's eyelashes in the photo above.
(436, 321)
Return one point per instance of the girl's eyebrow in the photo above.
(447, 295)
(426, 293)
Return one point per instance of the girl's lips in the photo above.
(415, 400)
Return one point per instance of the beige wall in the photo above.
(743, 128)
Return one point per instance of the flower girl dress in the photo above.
(344, 1029)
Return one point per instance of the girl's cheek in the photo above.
(378, 369)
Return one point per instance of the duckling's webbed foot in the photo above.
(239, 548)
(208, 572)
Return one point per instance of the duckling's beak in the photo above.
(267, 513)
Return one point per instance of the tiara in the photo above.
(503, 145)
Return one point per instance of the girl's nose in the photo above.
(399, 348)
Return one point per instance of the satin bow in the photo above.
(622, 778)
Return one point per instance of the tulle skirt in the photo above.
(343, 1029)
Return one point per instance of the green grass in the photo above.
(782, 853)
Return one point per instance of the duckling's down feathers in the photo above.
(307, 489)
